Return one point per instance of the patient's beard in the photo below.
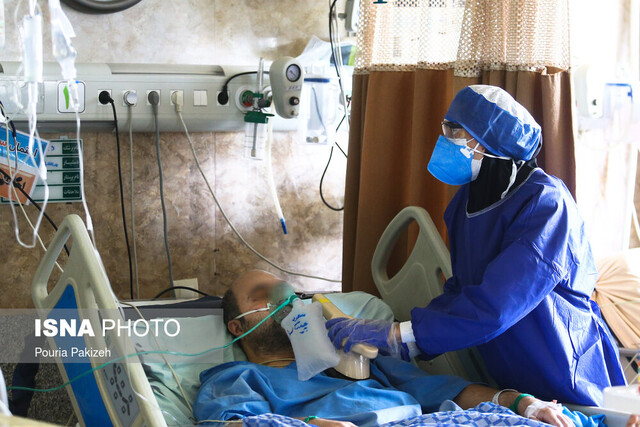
(269, 338)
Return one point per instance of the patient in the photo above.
(268, 383)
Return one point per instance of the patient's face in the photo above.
(252, 291)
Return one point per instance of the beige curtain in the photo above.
(407, 74)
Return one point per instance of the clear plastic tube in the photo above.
(272, 183)
(31, 32)
(65, 54)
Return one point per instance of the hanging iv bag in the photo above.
(320, 110)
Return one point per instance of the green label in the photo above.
(70, 163)
(70, 192)
(70, 177)
(69, 148)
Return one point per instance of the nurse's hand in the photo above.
(378, 333)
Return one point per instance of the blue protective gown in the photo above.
(523, 275)
(397, 390)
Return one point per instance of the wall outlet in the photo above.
(183, 293)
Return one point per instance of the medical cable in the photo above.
(26, 217)
(12, 188)
(175, 376)
(223, 96)
(187, 288)
(69, 419)
(104, 99)
(31, 36)
(233, 228)
(322, 180)
(133, 217)
(336, 52)
(286, 359)
(154, 100)
(65, 54)
(173, 353)
(315, 97)
(7, 179)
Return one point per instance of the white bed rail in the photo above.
(83, 289)
(420, 280)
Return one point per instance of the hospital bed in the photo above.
(147, 392)
(143, 391)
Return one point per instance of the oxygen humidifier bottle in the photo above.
(312, 348)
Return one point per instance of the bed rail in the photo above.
(106, 397)
(420, 280)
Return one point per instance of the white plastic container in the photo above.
(320, 110)
(255, 138)
(623, 398)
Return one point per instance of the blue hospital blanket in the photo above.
(396, 391)
(484, 415)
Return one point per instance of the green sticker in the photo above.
(70, 192)
(69, 148)
(70, 177)
(66, 96)
(70, 163)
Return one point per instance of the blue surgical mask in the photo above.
(451, 163)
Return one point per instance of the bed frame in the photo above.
(106, 397)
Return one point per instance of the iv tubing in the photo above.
(233, 228)
(174, 353)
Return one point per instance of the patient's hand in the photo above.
(553, 416)
(321, 422)
(634, 421)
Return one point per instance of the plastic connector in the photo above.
(177, 97)
(154, 100)
(104, 97)
(223, 97)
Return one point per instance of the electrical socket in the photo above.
(183, 293)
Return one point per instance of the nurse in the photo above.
(523, 271)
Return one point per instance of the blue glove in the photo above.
(404, 353)
(348, 332)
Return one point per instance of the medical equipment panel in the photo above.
(200, 86)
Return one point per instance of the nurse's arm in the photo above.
(474, 394)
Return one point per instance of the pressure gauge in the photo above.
(293, 73)
(286, 77)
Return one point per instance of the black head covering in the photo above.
(493, 179)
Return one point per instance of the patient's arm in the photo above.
(475, 394)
